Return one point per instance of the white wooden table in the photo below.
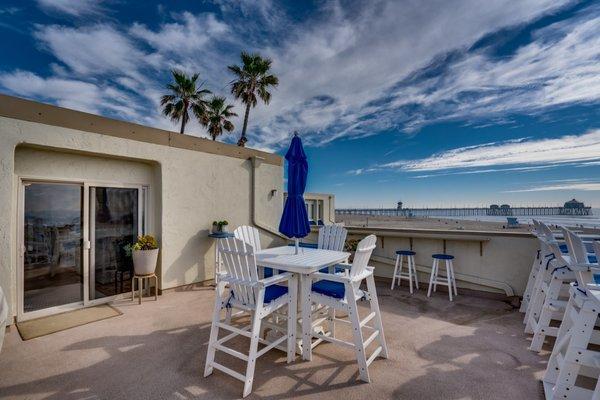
(305, 263)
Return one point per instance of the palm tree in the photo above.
(216, 117)
(252, 79)
(185, 95)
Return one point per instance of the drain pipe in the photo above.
(256, 162)
(461, 277)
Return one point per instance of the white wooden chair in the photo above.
(332, 237)
(572, 355)
(259, 298)
(537, 261)
(342, 292)
(547, 263)
(251, 235)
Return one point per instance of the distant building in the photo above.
(574, 204)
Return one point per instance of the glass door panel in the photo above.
(114, 224)
(53, 260)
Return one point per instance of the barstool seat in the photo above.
(449, 280)
(405, 253)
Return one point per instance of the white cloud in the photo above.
(345, 71)
(95, 51)
(565, 149)
(584, 186)
(75, 8)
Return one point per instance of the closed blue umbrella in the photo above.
(294, 221)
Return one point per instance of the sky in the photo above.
(432, 103)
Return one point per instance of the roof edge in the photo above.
(33, 111)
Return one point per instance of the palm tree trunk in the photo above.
(243, 139)
(182, 125)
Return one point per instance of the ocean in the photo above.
(591, 221)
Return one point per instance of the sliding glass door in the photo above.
(114, 225)
(74, 240)
(52, 245)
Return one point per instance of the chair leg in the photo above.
(214, 329)
(140, 288)
(132, 288)
(453, 278)
(293, 318)
(562, 341)
(395, 271)
(431, 277)
(363, 369)
(543, 323)
(375, 308)
(410, 274)
(155, 287)
(256, 322)
(414, 267)
(449, 279)
(537, 300)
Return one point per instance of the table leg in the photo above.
(217, 262)
(306, 316)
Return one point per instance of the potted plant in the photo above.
(350, 246)
(223, 226)
(145, 254)
(215, 227)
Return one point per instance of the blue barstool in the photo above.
(411, 275)
(449, 280)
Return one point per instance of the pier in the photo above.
(570, 208)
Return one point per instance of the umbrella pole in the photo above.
(296, 242)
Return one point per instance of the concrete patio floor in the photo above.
(472, 348)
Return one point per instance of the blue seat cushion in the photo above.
(305, 245)
(405, 253)
(329, 288)
(268, 272)
(563, 248)
(274, 292)
(443, 256)
(592, 259)
(336, 270)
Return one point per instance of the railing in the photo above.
(489, 261)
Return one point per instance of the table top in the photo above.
(307, 260)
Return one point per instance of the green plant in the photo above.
(145, 242)
(186, 94)
(252, 78)
(351, 245)
(222, 223)
(217, 117)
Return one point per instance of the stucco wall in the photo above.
(497, 262)
(190, 189)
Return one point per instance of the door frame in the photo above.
(144, 207)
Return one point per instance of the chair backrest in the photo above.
(576, 247)
(578, 254)
(239, 263)
(545, 231)
(332, 237)
(363, 254)
(250, 235)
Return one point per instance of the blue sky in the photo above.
(432, 102)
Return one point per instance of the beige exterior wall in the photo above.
(192, 182)
(497, 262)
(328, 202)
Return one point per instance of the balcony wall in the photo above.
(497, 262)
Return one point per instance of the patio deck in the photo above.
(472, 348)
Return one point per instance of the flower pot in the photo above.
(224, 228)
(144, 261)
(215, 228)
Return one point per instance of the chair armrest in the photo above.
(583, 266)
(237, 281)
(330, 277)
(275, 279)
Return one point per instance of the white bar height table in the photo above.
(305, 263)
